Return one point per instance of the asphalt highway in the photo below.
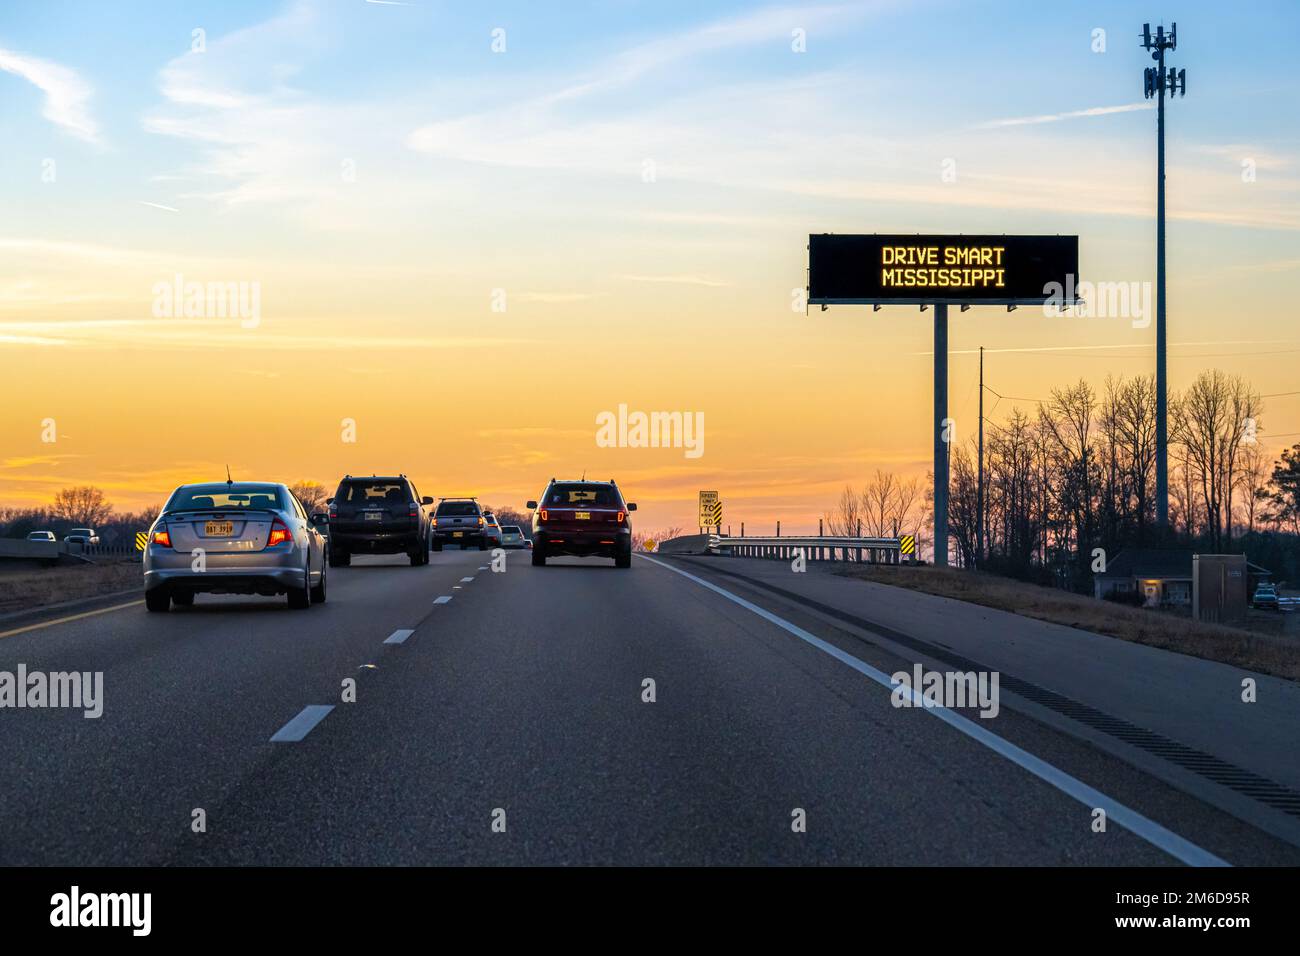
(505, 718)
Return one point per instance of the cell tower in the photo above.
(1156, 81)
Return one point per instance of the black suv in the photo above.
(378, 515)
(459, 521)
(582, 518)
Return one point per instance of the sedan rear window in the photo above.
(457, 509)
(225, 497)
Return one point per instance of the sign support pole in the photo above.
(941, 432)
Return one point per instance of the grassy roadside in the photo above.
(23, 590)
(1267, 653)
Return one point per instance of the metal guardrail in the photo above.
(814, 547)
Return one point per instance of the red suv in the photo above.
(582, 518)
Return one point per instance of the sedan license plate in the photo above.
(374, 516)
(457, 534)
(219, 529)
(582, 516)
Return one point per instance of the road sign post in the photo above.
(938, 271)
(942, 435)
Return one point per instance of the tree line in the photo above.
(1078, 473)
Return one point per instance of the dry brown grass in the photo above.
(1267, 653)
(22, 590)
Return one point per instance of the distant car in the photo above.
(41, 536)
(84, 536)
(459, 521)
(491, 530)
(234, 537)
(378, 516)
(1265, 597)
(582, 518)
(512, 536)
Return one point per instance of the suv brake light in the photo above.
(279, 534)
(542, 514)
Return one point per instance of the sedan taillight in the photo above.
(279, 534)
(162, 538)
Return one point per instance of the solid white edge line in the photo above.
(400, 635)
(442, 599)
(1141, 826)
(298, 728)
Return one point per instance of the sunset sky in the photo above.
(637, 182)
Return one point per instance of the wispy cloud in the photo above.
(67, 96)
(1068, 115)
(554, 297)
(679, 280)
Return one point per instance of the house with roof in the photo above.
(1161, 576)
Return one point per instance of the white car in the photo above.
(512, 537)
(41, 536)
(491, 530)
(82, 536)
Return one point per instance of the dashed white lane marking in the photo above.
(302, 725)
(1144, 827)
(442, 600)
(398, 636)
(482, 567)
(465, 580)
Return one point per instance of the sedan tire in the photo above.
(159, 599)
(318, 592)
(300, 598)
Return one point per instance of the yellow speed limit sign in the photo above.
(710, 509)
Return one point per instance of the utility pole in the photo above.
(1155, 81)
(979, 495)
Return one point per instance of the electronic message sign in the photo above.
(957, 270)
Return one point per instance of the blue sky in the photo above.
(649, 167)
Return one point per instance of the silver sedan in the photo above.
(234, 537)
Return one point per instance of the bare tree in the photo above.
(907, 496)
(312, 494)
(843, 519)
(1213, 417)
(83, 505)
(1253, 480)
(877, 503)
